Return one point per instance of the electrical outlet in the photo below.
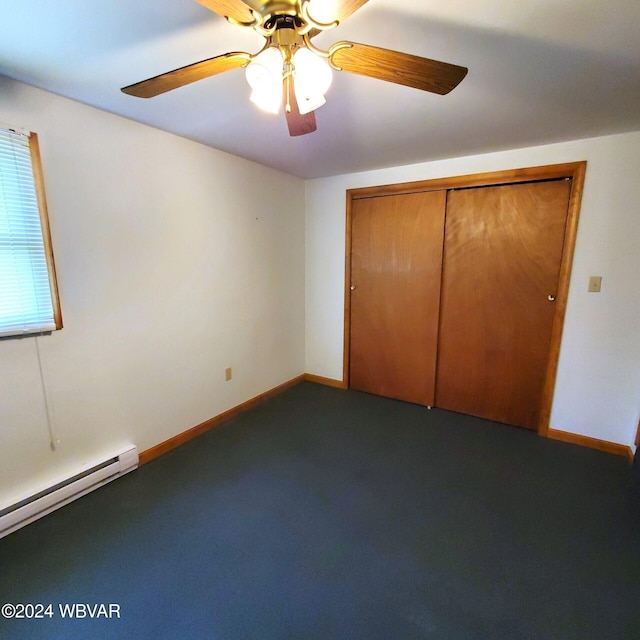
(227, 374)
(595, 284)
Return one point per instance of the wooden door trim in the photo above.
(570, 233)
(489, 179)
(347, 295)
(573, 170)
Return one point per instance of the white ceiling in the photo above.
(539, 72)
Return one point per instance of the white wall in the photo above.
(598, 384)
(174, 261)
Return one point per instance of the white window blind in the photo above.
(25, 291)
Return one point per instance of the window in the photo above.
(28, 290)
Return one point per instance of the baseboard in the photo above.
(164, 447)
(592, 443)
(329, 382)
(194, 432)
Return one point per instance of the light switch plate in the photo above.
(595, 284)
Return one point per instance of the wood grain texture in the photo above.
(346, 349)
(396, 258)
(400, 68)
(327, 382)
(326, 11)
(574, 170)
(591, 443)
(38, 181)
(186, 75)
(299, 124)
(503, 249)
(235, 9)
(164, 447)
(571, 230)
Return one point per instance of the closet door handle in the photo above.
(551, 297)
(353, 287)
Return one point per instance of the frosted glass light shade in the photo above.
(264, 75)
(312, 79)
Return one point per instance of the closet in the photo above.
(456, 290)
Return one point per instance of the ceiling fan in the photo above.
(290, 69)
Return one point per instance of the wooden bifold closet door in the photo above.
(396, 260)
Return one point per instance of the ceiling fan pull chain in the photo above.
(287, 94)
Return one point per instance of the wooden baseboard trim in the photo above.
(194, 432)
(592, 443)
(329, 382)
(164, 447)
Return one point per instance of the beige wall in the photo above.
(174, 261)
(598, 385)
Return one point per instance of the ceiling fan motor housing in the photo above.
(276, 8)
(286, 34)
(283, 22)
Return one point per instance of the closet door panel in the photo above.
(503, 247)
(396, 261)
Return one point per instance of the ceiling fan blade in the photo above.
(236, 9)
(185, 75)
(327, 11)
(299, 124)
(401, 68)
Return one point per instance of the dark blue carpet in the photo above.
(329, 514)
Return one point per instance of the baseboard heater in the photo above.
(90, 477)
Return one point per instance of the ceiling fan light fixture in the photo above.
(264, 75)
(306, 104)
(312, 79)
